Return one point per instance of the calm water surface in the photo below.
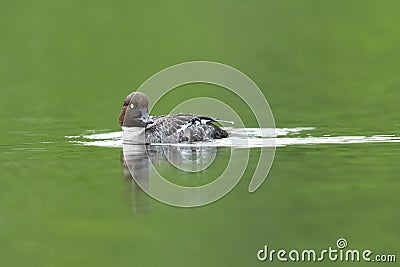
(65, 69)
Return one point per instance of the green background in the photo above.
(66, 66)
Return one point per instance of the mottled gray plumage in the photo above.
(173, 128)
(179, 128)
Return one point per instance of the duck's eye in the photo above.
(132, 106)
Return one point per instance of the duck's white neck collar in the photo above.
(134, 135)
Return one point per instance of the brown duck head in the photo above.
(135, 111)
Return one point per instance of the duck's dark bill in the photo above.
(145, 117)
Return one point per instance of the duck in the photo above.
(171, 128)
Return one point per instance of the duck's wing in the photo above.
(183, 119)
(177, 128)
(177, 122)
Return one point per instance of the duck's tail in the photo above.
(222, 121)
(219, 132)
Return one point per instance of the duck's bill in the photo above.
(145, 118)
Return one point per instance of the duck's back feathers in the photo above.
(178, 128)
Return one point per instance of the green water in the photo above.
(65, 68)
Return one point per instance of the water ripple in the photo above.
(247, 137)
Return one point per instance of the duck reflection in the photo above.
(139, 162)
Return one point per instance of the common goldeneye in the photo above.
(173, 128)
